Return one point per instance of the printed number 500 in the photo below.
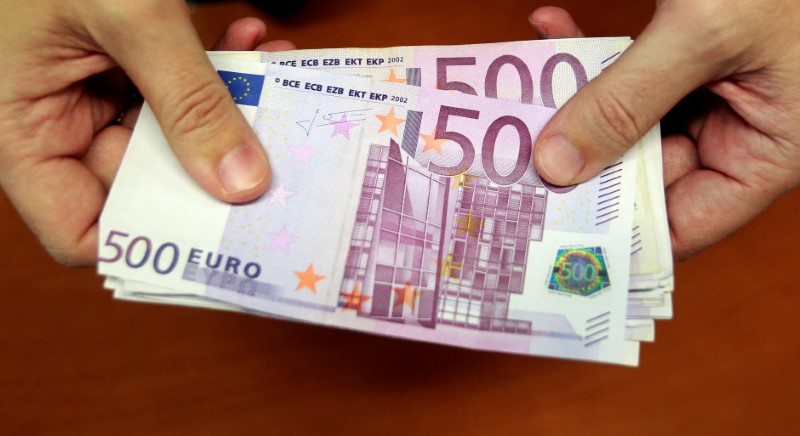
(137, 252)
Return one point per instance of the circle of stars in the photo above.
(244, 82)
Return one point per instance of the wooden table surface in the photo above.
(72, 360)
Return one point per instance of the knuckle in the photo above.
(684, 250)
(199, 106)
(618, 124)
(718, 27)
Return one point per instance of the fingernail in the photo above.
(538, 27)
(559, 161)
(242, 169)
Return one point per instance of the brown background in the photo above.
(73, 360)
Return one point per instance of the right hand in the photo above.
(731, 148)
(66, 65)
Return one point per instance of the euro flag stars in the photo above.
(244, 88)
(308, 279)
(389, 121)
(354, 300)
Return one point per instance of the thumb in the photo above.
(166, 61)
(612, 112)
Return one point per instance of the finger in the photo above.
(276, 45)
(608, 115)
(208, 134)
(60, 201)
(243, 34)
(680, 157)
(551, 22)
(105, 154)
(705, 207)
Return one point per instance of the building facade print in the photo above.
(429, 249)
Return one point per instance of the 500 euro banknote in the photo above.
(396, 210)
(544, 73)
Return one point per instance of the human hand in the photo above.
(65, 81)
(735, 147)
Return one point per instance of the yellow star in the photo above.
(394, 79)
(246, 84)
(449, 267)
(407, 294)
(389, 121)
(468, 225)
(308, 279)
(431, 143)
(457, 181)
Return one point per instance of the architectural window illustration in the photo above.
(428, 249)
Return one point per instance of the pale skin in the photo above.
(725, 162)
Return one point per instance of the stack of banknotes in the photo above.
(404, 202)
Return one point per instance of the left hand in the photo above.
(62, 137)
